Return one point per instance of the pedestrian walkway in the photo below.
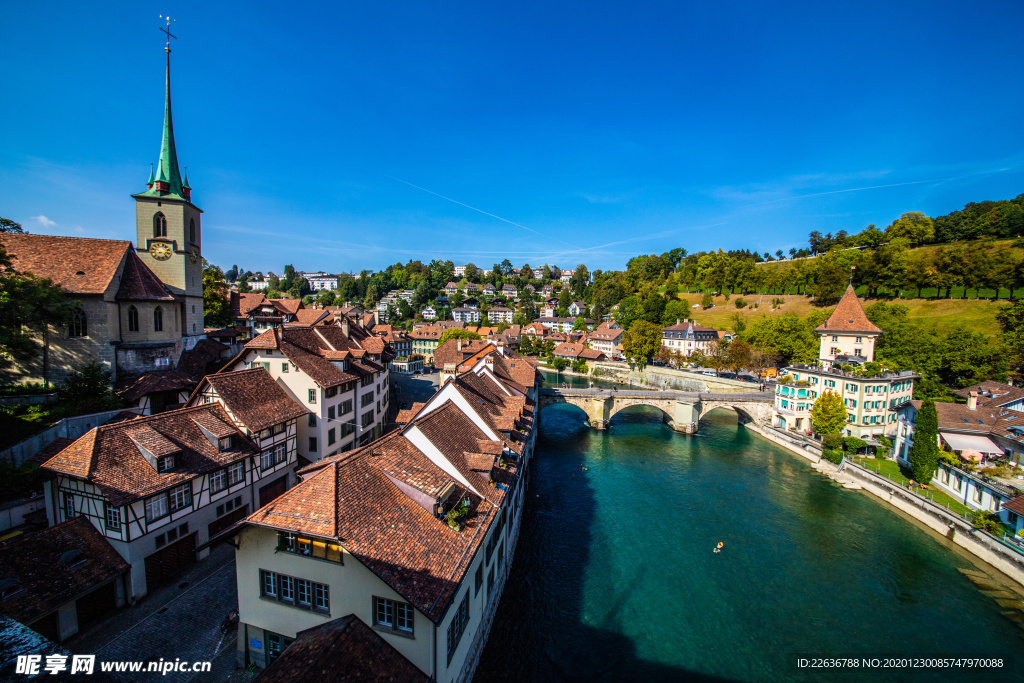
(175, 623)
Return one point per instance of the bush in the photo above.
(832, 441)
(986, 521)
(832, 455)
(741, 303)
(852, 444)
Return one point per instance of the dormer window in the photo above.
(73, 558)
(225, 443)
(10, 588)
(165, 464)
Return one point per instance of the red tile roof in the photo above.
(360, 497)
(138, 283)
(849, 316)
(108, 457)
(343, 649)
(78, 264)
(252, 397)
(37, 561)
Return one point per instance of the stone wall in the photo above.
(668, 378)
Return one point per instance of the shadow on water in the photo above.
(614, 576)
(540, 632)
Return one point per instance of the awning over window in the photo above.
(970, 442)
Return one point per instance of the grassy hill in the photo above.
(939, 314)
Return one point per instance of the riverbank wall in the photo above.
(979, 544)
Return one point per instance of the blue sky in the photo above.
(330, 136)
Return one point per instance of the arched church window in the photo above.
(159, 225)
(79, 324)
(192, 230)
(133, 319)
(158, 319)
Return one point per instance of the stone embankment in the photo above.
(981, 545)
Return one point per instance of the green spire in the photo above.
(150, 181)
(185, 184)
(167, 168)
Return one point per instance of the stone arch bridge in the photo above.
(682, 410)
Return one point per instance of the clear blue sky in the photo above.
(603, 130)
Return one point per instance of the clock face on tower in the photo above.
(194, 254)
(161, 251)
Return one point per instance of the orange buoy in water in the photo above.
(720, 544)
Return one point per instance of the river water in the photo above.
(615, 577)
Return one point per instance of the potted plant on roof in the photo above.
(456, 515)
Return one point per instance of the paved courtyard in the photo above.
(175, 623)
(415, 388)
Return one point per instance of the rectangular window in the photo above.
(284, 367)
(393, 616)
(330, 392)
(225, 443)
(69, 505)
(365, 400)
(479, 579)
(331, 438)
(236, 473)
(156, 507)
(312, 444)
(312, 420)
(276, 644)
(305, 592)
(979, 493)
(330, 413)
(310, 547)
(345, 407)
(367, 419)
(287, 588)
(312, 395)
(181, 496)
(321, 598)
(113, 518)
(218, 481)
(165, 464)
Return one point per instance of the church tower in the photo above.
(169, 228)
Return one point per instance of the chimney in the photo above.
(678, 321)
(344, 325)
(972, 400)
(458, 344)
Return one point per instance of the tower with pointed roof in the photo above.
(168, 226)
(848, 334)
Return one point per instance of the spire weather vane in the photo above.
(167, 30)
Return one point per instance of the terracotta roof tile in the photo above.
(849, 316)
(107, 456)
(36, 561)
(138, 283)
(61, 259)
(346, 647)
(253, 398)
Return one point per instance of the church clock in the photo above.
(161, 251)
(193, 254)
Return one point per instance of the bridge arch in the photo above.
(616, 409)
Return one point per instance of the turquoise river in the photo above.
(615, 577)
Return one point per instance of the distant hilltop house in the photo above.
(566, 276)
(509, 291)
(321, 281)
(687, 336)
(429, 313)
(460, 271)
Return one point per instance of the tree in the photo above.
(580, 279)
(506, 268)
(29, 306)
(641, 341)
(739, 355)
(828, 416)
(761, 361)
(580, 325)
(717, 355)
(559, 364)
(88, 390)
(472, 273)
(526, 344)
(7, 225)
(913, 226)
(216, 299)
(924, 453)
(456, 333)
(707, 301)
(1011, 322)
